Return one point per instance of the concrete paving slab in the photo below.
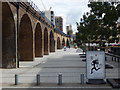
(66, 62)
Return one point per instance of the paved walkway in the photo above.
(66, 62)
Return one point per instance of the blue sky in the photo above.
(70, 10)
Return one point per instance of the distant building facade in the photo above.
(59, 23)
(74, 37)
(52, 17)
(49, 15)
(69, 30)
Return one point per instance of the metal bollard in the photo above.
(112, 58)
(16, 79)
(38, 79)
(82, 78)
(105, 58)
(60, 79)
(115, 59)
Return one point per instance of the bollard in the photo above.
(38, 79)
(16, 79)
(115, 59)
(105, 58)
(112, 58)
(60, 79)
(82, 79)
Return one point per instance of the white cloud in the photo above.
(70, 10)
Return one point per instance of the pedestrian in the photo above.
(64, 48)
(69, 46)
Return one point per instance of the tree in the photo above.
(99, 24)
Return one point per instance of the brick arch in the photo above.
(46, 42)
(70, 40)
(52, 42)
(67, 43)
(58, 43)
(26, 39)
(63, 42)
(8, 38)
(38, 41)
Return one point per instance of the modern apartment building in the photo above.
(59, 22)
(52, 18)
(69, 30)
(49, 15)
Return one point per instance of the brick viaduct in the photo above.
(26, 35)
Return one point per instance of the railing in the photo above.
(38, 10)
(33, 5)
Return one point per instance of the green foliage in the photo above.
(98, 24)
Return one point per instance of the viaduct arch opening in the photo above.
(52, 42)
(8, 38)
(38, 41)
(46, 42)
(26, 39)
(63, 42)
(67, 43)
(58, 43)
